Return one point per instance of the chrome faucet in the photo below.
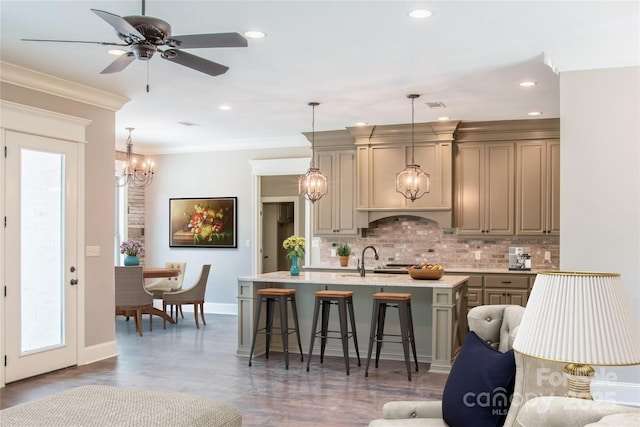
(361, 267)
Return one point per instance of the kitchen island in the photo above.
(439, 312)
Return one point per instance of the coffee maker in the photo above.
(519, 258)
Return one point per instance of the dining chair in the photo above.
(131, 297)
(168, 284)
(193, 295)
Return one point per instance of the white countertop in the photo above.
(467, 270)
(353, 278)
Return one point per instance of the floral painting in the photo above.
(203, 223)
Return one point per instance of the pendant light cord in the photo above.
(412, 132)
(313, 132)
(413, 97)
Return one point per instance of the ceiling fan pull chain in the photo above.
(147, 76)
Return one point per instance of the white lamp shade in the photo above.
(579, 317)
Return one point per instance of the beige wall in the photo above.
(99, 207)
(600, 188)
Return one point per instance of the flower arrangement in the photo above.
(131, 248)
(295, 244)
(206, 223)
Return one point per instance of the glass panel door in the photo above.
(41, 191)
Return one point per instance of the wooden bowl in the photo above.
(425, 274)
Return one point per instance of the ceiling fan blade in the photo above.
(75, 41)
(120, 63)
(194, 62)
(119, 23)
(196, 41)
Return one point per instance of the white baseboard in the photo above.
(209, 307)
(98, 352)
(616, 392)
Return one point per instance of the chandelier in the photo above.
(132, 175)
(313, 185)
(412, 182)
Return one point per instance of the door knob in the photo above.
(73, 282)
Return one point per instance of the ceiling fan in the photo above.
(146, 35)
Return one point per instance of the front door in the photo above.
(41, 190)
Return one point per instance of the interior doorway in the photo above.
(279, 221)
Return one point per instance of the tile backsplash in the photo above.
(407, 239)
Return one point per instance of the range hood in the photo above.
(443, 217)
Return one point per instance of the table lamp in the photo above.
(583, 319)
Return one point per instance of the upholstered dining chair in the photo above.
(168, 284)
(131, 297)
(193, 295)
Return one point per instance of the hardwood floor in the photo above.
(203, 362)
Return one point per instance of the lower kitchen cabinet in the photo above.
(506, 296)
(497, 288)
(506, 289)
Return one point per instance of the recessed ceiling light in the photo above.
(420, 13)
(534, 113)
(224, 107)
(255, 34)
(116, 52)
(360, 124)
(528, 84)
(443, 118)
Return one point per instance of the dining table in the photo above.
(156, 273)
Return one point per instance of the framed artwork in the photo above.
(203, 223)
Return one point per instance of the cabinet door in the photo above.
(470, 202)
(385, 163)
(499, 189)
(435, 160)
(553, 187)
(538, 182)
(494, 296)
(324, 208)
(517, 297)
(345, 199)
(335, 213)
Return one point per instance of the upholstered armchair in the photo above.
(539, 388)
(496, 325)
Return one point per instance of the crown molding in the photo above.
(34, 80)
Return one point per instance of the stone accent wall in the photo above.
(135, 215)
(407, 239)
(135, 209)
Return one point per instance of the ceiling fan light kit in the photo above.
(146, 35)
(413, 182)
(313, 185)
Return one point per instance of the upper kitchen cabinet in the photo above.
(335, 213)
(384, 151)
(507, 177)
(485, 188)
(538, 188)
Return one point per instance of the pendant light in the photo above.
(132, 175)
(313, 185)
(412, 182)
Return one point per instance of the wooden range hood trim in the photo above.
(442, 217)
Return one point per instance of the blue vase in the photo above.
(295, 270)
(131, 260)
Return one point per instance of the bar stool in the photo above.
(282, 296)
(344, 300)
(402, 301)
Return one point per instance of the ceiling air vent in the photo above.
(188, 124)
(435, 104)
